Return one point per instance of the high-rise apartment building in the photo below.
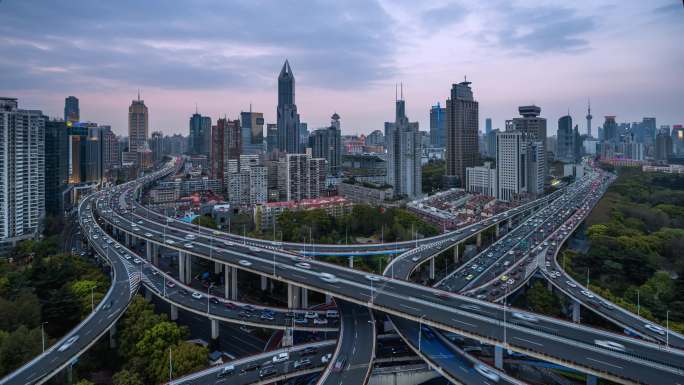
(252, 132)
(56, 166)
(226, 144)
(437, 123)
(156, 144)
(289, 140)
(511, 165)
(271, 138)
(536, 166)
(531, 125)
(462, 143)
(199, 141)
(301, 177)
(327, 143)
(72, 112)
(403, 144)
(248, 184)
(111, 156)
(138, 126)
(481, 180)
(22, 172)
(677, 139)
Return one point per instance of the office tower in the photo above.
(288, 119)
(303, 135)
(589, 117)
(226, 144)
(56, 166)
(481, 180)
(488, 125)
(138, 123)
(403, 154)
(301, 177)
(22, 168)
(271, 138)
(536, 166)
(530, 124)
(72, 112)
(375, 139)
(175, 145)
(86, 153)
(565, 140)
(511, 165)
(461, 133)
(677, 139)
(663, 149)
(437, 123)
(156, 144)
(111, 156)
(578, 145)
(610, 129)
(327, 143)
(200, 135)
(648, 130)
(490, 143)
(252, 132)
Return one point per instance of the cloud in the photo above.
(193, 44)
(437, 18)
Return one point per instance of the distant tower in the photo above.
(589, 117)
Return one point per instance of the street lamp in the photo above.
(42, 334)
(667, 329)
(420, 331)
(208, 293)
(92, 298)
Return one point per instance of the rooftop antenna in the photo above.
(395, 92)
(138, 94)
(196, 111)
(250, 107)
(402, 90)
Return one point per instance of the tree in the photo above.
(543, 301)
(18, 347)
(186, 358)
(205, 221)
(139, 318)
(127, 377)
(84, 382)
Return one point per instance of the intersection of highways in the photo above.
(469, 302)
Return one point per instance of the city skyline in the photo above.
(562, 57)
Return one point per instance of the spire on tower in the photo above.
(196, 110)
(138, 94)
(402, 91)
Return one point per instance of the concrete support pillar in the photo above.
(328, 299)
(509, 223)
(127, 240)
(217, 267)
(432, 268)
(575, 312)
(181, 266)
(591, 379)
(174, 313)
(288, 339)
(112, 336)
(214, 329)
(233, 284)
(479, 240)
(496, 230)
(148, 251)
(305, 298)
(148, 295)
(264, 283)
(293, 296)
(498, 357)
(155, 254)
(351, 262)
(226, 281)
(456, 253)
(188, 268)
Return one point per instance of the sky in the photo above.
(627, 56)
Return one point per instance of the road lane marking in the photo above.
(409, 307)
(463, 322)
(604, 363)
(528, 341)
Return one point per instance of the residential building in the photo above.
(511, 165)
(252, 124)
(532, 126)
(403, 154)
(327, 143)
(375, 139)
(265, 215)
(364, 192)
(288, 126)
(56, 166)
(462, 114)
(301, 177)
(22, 172)
(481, 180)
(138, 125)
(610, 129)
(109, 143)
(677, 139)
(199, 141)
(156, 144)
(536, 167)
(271, 138)
(226, 144)
(437, 123)
(663, 149)
(72, 112)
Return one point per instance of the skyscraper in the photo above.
(462, 114)
(327, 143)
(488, 125)
(289, 140)
(22, 165)
(565, 140)
(271, 137)
(200, 135)
(511, 165)
(532, 127)
(156, 144)
(610, 133)
(437, 122)
(589, 117)
(56, 165)
(403, 154)
(72, 112)
(226, 138)
(252, 132)
(138, 124)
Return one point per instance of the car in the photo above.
(332, 314)
(267, 316)
(188, 246)
(654, 328)
(231, 305)
(249, 367)
(107, 306)
(327, 277)
(281, 357)
(214, 300)
(504, 278)
(310, 314)
(148, 235)
(320, 321)
(469, 277)
(486, 372)
(374, 278)
(267, 371)
(190, 236)
(525, 317)
(587, 294)
(196, 295)
(245, 262)
(309, 350)
(226, 371)
(339, 364)
(136, 261)
(67, 344)
(301, 320)
(303, 265)
(571, 284)
(610, 345)
(128, 257)
(416, 258)
(170, 284)
(170, 241)
(304, 362)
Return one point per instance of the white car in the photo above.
(525, 317)
(571, 284)
(303, 265)
(189, 245)
(587, 294)
(281, 357)
(66, 345)
(136, 261)
(610, 345)
(245, 262)
(148, 235)
(196, 295)
(374, 278)
(190, 236)
(170, 241)
(655, 329)
(326, 358)
(310, 314)
(327, 277)
(320, 321)
(487, 372)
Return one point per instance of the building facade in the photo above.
(511, 161)
(462, 144)
(327, 143)
(402, 141)
(72, 112)
(481, 180)
(437, 124)
(252, 128)
(138, 125)
(288, 126)
(199, 141)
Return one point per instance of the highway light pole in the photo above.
(667, 329)
(92, 298)
(170, 366)
(420, 331)
(638, 303)
(208, 293)
(42, 334)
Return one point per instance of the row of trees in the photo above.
(42, 288)
(636, 246)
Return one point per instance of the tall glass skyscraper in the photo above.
(72, 112)
(437, 123)
(288, 119)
